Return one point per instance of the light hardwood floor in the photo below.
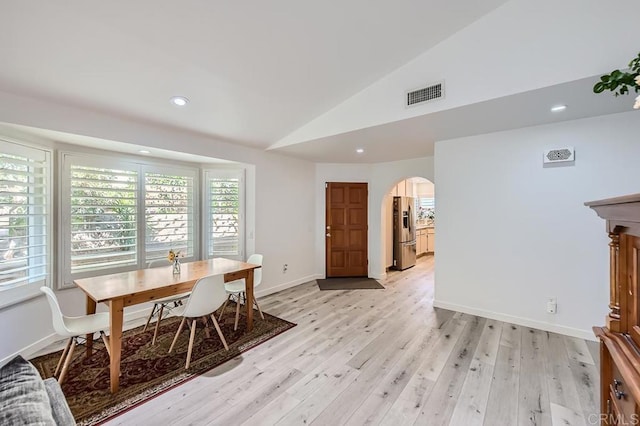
(388, 357)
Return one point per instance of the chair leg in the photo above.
(107, 345)
(224, 306)
(258, 306)
(67, 361)
(194, 324)
(153, 312)
(206, 327)
(235, 325)
(215, 324)
(62, 357)
(155, 331)
(177, 333)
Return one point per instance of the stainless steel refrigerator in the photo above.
(404, 232)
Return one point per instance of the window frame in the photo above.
(425, 203)
(66, 160)
(31, 289)
(195, 208)
(207, 175)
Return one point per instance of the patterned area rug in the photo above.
(146, 370)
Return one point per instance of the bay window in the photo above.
(118, 216)
(114, 215)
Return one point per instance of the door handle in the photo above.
(328, 234)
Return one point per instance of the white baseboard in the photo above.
(526, 322)
(260, 292)
(131, 320)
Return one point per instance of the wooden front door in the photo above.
(346, 229)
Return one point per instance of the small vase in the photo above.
(176, 267)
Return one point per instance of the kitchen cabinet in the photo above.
(421, 241)
(425, 241)
(404, 189)
(431, 240)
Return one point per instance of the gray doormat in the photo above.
(348, 283)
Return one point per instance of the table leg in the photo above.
(91, 309)
(116, 313)
(249, 301)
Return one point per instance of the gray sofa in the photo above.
(26, 399)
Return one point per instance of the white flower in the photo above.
(637, 104)
(637, 80)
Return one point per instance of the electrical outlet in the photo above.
(284, 268)
(552, 305)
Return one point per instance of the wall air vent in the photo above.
(560, 155)
(426, 94)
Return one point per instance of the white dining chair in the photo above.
(164, 304)
(206, 297)
(73, 328)
(237, 289)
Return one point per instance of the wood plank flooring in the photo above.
(388, 357)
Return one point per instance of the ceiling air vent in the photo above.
(425, 94)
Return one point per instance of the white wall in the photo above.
(284, 206)
(381, 177)
(520, 46)
(512, 233)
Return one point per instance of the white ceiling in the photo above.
(415, 137)
(256, 71)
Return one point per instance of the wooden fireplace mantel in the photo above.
(620, 338)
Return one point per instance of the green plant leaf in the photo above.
(620, 82)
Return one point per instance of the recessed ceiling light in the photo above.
(558, 108)
(144, 151)
(179, 101)
(359, 150)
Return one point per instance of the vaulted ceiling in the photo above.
(254, 72)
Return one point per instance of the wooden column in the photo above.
(613, 319)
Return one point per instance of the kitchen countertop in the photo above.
(424, 226)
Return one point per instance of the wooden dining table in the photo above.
(124, 289)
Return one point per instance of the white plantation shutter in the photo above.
(119, 215)
(104, 215)
(25, 221)
(225, 204)
(169, 215)
(425, 203)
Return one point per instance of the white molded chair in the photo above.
(74, 327)
(237, 289)
(206, 297)
(163, 304)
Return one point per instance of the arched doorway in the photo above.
(422, 192)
